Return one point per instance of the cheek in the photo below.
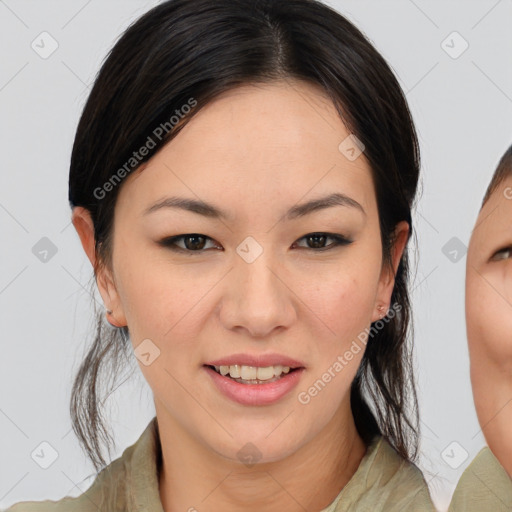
(489, 314)
(160, 299)
(165, 305)
(342, 297)
(507, 280)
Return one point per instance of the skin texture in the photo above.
(489, 320)
(256, 151)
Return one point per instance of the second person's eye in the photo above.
(502, 254)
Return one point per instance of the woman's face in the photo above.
(251, 283)
(489, 318)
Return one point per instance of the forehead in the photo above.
(285, 120)
(494, 221)
(259, 141)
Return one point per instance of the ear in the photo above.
(82, 221)
(387, 276)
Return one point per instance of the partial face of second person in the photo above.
(489, 320)
(254, 153)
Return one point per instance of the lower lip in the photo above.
(255, 394)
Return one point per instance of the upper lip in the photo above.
(262, 360)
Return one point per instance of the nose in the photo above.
(257, 297)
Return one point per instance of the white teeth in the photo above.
(264, 373)
(237, 371)
(234, 371)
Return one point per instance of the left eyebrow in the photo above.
(322, 203)
(209, 210)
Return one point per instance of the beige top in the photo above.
(484, 486)
(382, 482)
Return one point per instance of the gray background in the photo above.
(462, 108)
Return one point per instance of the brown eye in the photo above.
(502, 254)
(317, 241)
(192, 242)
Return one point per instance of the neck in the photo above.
(192, 475)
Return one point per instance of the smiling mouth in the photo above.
(252, 374)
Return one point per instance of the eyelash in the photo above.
(505, 249)
(170, 242)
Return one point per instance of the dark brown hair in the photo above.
(197, 49)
